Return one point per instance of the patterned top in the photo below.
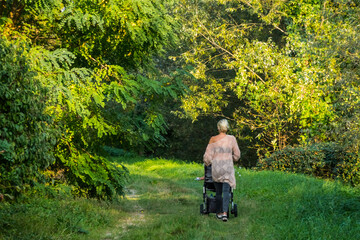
(220, 155)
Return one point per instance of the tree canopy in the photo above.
(284, 70)
(94, 61)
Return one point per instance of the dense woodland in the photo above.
(83, 80)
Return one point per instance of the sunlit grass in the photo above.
(272, 205)
(163, 199)
(162, 168)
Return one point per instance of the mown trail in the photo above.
(163, 203)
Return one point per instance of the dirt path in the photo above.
(134, 218)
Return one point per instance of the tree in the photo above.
(96, 61)
(271, 67)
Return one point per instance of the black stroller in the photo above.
(209, 202)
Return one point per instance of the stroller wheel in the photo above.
(202, 209)
(235, 210)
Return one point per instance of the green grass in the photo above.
(163, 203)
(272, 205)
(68, 218)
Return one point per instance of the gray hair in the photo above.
(223, 125)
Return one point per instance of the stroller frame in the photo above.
(209, 202)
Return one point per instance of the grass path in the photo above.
(169, 199)
(163, 203)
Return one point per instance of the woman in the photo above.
(221, 151)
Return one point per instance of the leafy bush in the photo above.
(325, 160)
(349, 168)
(26, 136)
(90, 175)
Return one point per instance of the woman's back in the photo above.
(221, 152)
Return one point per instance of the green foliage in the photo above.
(325, 160)
(119, 50)
(348, 169)
(317, 160)
(116, 152)
(98, 73)
(243, 76)
(92, 176)
(284, 71)
(94, 61)
(187, 140)
(26, 136)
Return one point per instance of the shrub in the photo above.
(27, 137)
(325, 160)
(348, 170)
(91, 175)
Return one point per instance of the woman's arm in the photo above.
(236, 150)
(208, 155)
